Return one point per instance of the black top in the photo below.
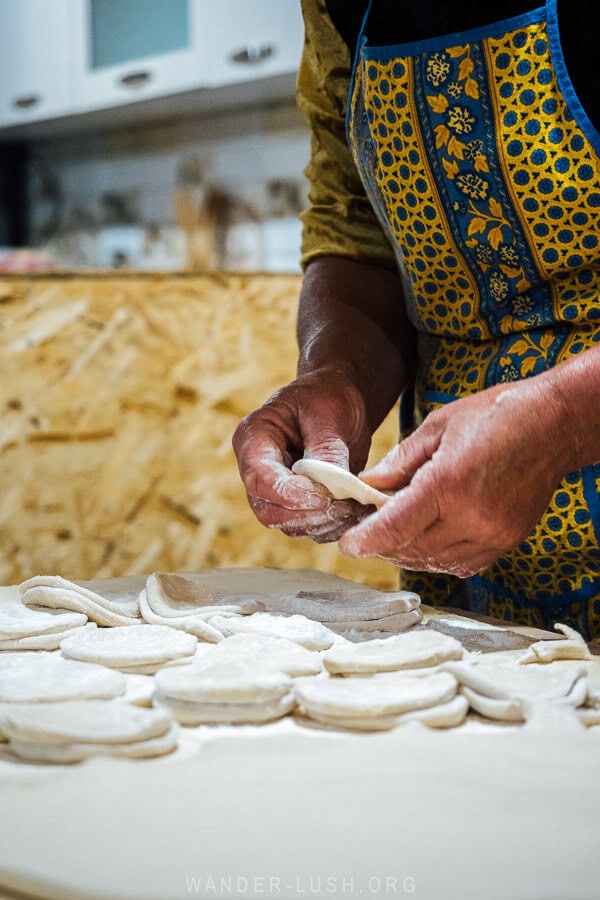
(404, 21)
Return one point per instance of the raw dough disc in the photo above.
(175, 595)
(509, 681)
(82, 722)
(73, 753)
(50, 641)
(190, 713)
(191, 624)
(388, 694)
(494, 708)
(47, 677)
(303, 631)
(18, 621)
(129, 646)
(223, 680)
(346, 606)
(572, 646)
(108, 601)
(340, 483)
(443, 715)
(273, 652)
(403, 651)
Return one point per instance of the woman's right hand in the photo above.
(319, 416)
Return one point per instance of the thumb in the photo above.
(399, 466)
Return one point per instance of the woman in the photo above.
(461, 270)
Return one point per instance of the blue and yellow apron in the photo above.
(484, 171)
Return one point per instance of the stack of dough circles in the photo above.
(138, 649)
(110, 601)
(224, 691)
(22, 628)
(75, 730)
(417, 649)
(380, 701)
(296, 628)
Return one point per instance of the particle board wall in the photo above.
(118, 399)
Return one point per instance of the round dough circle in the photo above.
(340, 483)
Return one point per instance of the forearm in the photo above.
(574, 387)
(352, 320)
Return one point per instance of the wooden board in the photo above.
(118, 399)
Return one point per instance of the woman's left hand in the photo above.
(472, 481)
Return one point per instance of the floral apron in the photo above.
(484, 171)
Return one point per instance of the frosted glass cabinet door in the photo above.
(34, 66)
(135, 50)
(252, 39)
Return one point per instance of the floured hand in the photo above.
(322, 416)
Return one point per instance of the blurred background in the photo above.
(155, 135)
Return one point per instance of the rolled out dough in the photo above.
(129, 646)
(340, 483)
(402, 651)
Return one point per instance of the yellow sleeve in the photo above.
(339, 220)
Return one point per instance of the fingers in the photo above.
(399, 466)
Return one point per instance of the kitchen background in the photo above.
(150, 135)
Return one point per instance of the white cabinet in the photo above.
(252, 39)
(122, 52)
(34, 60)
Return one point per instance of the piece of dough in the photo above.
(109, 601)
(129, 646)
(139, 690)
(494, 708)
(346, 606)
(50, 641)
(509, 681)
(572, 647)
(223, 680)
(172, 595)
(47, 677)
(192, 714)
(387, 694)
(340, 483)
(18, 621)
(303, 631)
(372, 629)
(417, 649)
(191, 624)
(82, 721)
(76, 752)
(444, 715)
(274, 652)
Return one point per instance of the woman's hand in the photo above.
(322, 416)
(473, 480)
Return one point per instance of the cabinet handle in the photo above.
(135, 79)
(252, 54)
(27, 101)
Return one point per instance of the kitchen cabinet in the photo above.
(34, 60)
(125, 52)
(252, 40)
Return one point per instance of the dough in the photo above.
(189, 713)
(273, 652)
(37, 677)
(191, 624)
(572, 647)
(443, 715)
(508, 681)
(403, 651)
(387, 694)
(370, 629)
(139, 690)
(50, 641)
(493, 708)
(303, 631)
(82, 721)
(73, 753)
(174, 595)
(221, 680)
(129, 646)
(340, 483)
(347, 606)
(110, 601)
(18, 621)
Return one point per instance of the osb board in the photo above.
(118, 399)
